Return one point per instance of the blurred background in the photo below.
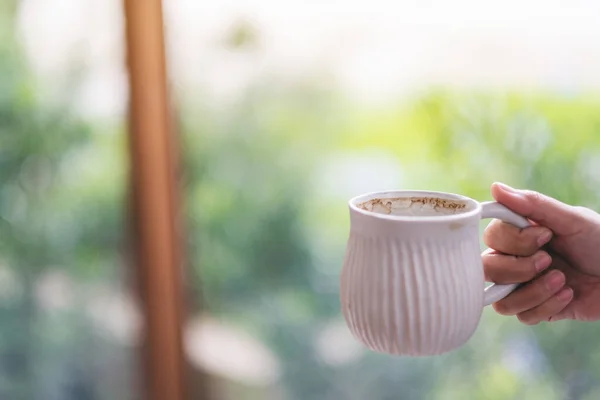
(285, 110)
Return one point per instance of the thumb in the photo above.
(539, 208)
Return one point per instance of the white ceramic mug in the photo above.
(412, 281)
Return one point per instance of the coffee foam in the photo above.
(414, 206)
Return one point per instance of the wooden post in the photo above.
(157, 233)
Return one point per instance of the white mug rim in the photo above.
(353, 204)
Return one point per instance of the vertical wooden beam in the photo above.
(155, 215)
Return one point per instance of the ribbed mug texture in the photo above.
(410, 288)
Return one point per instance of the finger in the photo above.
(565, 313)
(539, 208)
(503, 269)
(531, 295)
(548, 309)
(509, 239)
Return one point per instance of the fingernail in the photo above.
(544, 238)
(555, 280)
(565, 295)
(511, 191)
(506, 187)
(542, 261)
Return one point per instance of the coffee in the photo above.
(415, 206)
(412, 282)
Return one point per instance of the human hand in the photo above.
(557, 259)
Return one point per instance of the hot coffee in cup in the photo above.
(412, 281)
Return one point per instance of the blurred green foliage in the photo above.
(265, 244)
(60, 211)
(269, 248)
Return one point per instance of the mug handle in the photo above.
(493, 209)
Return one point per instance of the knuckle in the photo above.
(582, 209)
(542, 291)
(534, 197)
(583, 213)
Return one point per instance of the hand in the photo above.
(558, 257)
